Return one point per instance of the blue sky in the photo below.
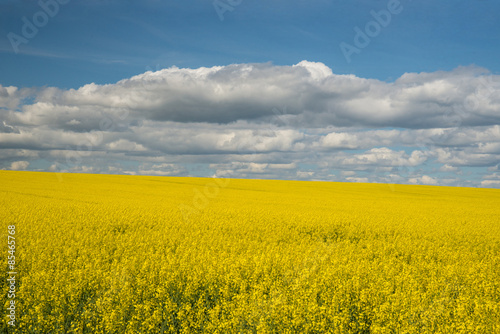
(105, 41)
(334, 106)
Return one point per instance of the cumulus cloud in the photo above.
(10, 97)
(448, 168)
(261, 120)
(357, 179)
(384, 157)
(491, 183)
(19, 165)
(424, 179)
(314, 97)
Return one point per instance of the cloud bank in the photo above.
(263, 121)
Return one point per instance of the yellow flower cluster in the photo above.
(122, 254)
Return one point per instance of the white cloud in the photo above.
(494, 176)
(340, 140)
(10, 97)
(19, 165)
(385, 157)
(358, 179)
(317, 71)
(304, 175)
(448, 168)
(124, 145)
(491, 183)
(424, 179)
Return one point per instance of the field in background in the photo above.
(139, 254)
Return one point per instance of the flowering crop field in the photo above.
(141, 254)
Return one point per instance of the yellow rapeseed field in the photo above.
(140, 254)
